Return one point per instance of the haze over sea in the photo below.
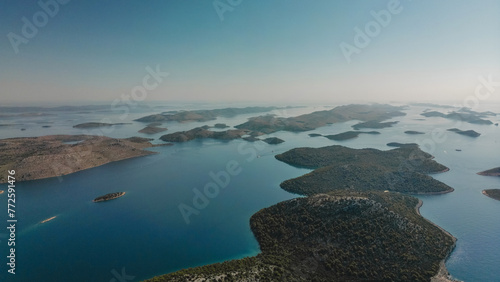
(145, 234)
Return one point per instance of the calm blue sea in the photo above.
(143, 234)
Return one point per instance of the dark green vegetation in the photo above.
(470, 133)
(343, 236)
(152, 129)
(412, 132)
(96, 124)
(396, 144)
(492, 193)
(315, 135)
(250, 138)
(374, 124)
(221, 125)
(107, 197)
(273, 140)
(463, 115)
(491, 172)
(269, 123)
(349, 135)
(349, 227)
(257, 126)
(336, 167)
(203, 115)
(200, 133)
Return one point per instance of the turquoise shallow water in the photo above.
(144, 234)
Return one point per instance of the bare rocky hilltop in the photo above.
(55, 155)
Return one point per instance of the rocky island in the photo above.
(96, 124)
(49, 156)
(490, 172)
(492, 193)
(470, 133)
(349, 135)
(152, 129)
(107, 197)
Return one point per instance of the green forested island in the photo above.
(339, 236)
(203, 132)
(368, 113)
(349, 135)
(491, 172)
(336, 167)
(492, 193)
(374, 124)
(470, 133)
(349, 227)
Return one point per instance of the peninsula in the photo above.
(492, 193)
(49, 156)
(348, 228)
(107, 197)
(337, 236)
(490, 172)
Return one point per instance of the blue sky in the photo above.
(280, 50)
